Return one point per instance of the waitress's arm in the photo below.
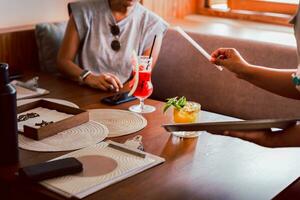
(286, 138)
(278, 81)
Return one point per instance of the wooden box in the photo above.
(79, 117)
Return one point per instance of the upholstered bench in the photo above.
(181, 70)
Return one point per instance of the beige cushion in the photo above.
(49, 37)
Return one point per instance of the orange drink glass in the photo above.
(188, 114)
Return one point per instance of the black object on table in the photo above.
(51, 169)
(8, 119)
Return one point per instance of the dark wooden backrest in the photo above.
(18, 48)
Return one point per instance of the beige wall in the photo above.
(27, 12)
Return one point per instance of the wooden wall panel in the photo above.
(18, 49)
(241, 9)
(263, 6)
(169, 9)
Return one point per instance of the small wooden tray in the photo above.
(79, 117)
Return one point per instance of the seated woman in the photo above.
(103, 34)
(280, 81)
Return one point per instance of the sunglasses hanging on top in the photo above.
(115, 31)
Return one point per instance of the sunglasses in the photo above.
(115, 31)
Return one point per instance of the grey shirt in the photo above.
(93, 19)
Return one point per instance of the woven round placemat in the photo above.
(118, 122)
(59, 101)
(78, 137)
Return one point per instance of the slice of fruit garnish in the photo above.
(135, 61)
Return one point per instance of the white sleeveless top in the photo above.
(93, 19)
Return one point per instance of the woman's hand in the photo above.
(231, 59)
(286, 138)
(105, 81)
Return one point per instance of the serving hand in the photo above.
(231, 59)
(286, 138)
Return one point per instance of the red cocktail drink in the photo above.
(144, 87)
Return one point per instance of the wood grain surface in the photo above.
(179, 177)
(18, 48)
(169, 9)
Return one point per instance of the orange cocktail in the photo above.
(184, 112)
(188, 114)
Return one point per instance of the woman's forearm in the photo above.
(69, 68)
(278, 81)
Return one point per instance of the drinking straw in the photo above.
(150, 56)
(196, 45)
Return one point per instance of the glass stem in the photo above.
(142, 104)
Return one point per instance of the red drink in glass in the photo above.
(144, 87)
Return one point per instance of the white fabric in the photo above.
(24, 93)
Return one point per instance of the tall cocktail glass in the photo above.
(145, 87)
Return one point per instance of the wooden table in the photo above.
(210, 167)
